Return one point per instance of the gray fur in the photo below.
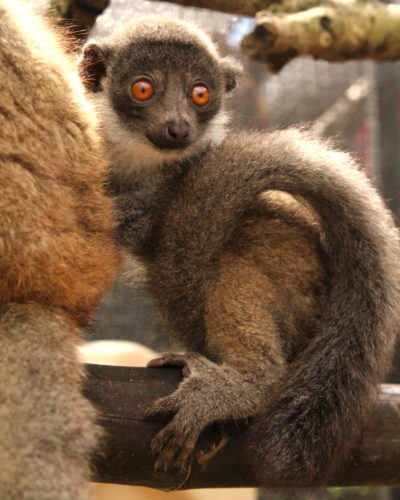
(47, 428)
(288, 308)
(333, 382)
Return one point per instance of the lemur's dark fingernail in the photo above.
(186, 371)
(156, 363)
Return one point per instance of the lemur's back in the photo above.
(56, 223)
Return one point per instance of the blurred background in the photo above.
(357, 104)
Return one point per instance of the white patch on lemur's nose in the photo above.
(134, 153)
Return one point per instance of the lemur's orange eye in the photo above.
(200, 95)
(142, 90)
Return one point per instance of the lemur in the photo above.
(271, 257)
(57, 259)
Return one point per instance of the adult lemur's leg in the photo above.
(47, 428)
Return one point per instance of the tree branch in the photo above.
(334, 30)
(223, 459)
(241, 7)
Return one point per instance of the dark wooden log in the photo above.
(122, 395)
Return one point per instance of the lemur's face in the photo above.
(165, 92)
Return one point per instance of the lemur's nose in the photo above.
(177, 131)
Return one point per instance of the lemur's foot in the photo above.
(190, 403)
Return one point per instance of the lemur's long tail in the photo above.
(332, 384)
(334, 381)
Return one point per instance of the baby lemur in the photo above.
(57, 259)
(271, 257)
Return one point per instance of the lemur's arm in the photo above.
(136, 220)
(139, 202)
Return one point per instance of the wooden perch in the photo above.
(334, 30)
(122, 395)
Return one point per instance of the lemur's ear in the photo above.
(92, 67)
(231, 69)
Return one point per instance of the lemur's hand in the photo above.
(208, 393)
(136, 221)
(175, 444)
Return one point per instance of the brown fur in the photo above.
(57, 259)
(55, 215)
(270, 273)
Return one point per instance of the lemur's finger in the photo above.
(168, 361)
(174, 445)
(163, 361)
(168, 404)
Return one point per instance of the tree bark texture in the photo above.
(241, 7)
(222, 458)
(336, 30)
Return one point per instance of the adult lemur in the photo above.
(57, 259)
(271, 257)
